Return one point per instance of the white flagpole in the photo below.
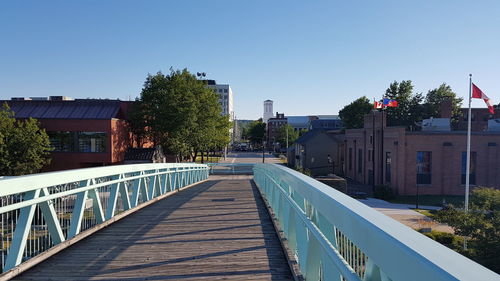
(467, 167)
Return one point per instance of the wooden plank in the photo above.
(213, 231)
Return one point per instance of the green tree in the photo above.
(256, 131)
(353, 114)
(24, 146)
(435, 97)
(180, 113)
(285, 131)
(481, 224)
(409, 109)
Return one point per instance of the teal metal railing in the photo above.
(335, 237)
(231, 168)
(40, 211)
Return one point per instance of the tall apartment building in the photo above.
(225, 97)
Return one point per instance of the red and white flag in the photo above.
(377, 105)
(478, 94)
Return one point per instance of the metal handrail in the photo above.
(334, 236)
(40, 211)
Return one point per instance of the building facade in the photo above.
(83, 132)
(225, 94)
(273, 128)
(427, 162)
(320, 152)
(268, 111)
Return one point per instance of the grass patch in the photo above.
(427, 213)
(429, 200)
(209, 159)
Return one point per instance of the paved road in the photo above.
(249, 158)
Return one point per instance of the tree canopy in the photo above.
(353, 114)
(256, 131)
(181, 114)
(414, 107)
(409, 109)
(283, 132)
(435, 97)
(481, 224)
(24, 146)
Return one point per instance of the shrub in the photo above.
(449, 240)
(383, 192)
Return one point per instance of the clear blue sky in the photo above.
(310, 57)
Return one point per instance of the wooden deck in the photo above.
(217, 230)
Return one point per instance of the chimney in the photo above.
(445, 108)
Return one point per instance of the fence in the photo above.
(42, 210)
(335, 237)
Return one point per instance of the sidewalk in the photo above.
(406, 216)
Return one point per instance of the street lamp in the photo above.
(201, 75)
(330, 161)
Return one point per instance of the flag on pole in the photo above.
(390, 103)
(377, 105)
(478, 94)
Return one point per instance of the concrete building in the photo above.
(225, 97)
(301, 123)
(431, 161)
(83, 132)
(326, 122)
(268, 111)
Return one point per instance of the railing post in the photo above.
(136, 189)
(50, 216)
(113, 198)
(22, 231)
(78, 209)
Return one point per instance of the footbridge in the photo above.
(207, 222)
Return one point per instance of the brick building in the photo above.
(83, 132)
(273, 127)
(432, 161)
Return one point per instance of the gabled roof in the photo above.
(312, 134)
(75, 109)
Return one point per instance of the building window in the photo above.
(61, 141)
(360, 160)
(225, 90)
(369, 155)
(388, 161)
(472, 175)
(91, 141)
(371, 139)
(220, 90)
(350, 158)
(424, 167)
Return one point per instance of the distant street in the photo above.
(249, 157)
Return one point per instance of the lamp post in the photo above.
(330, 161)
(201, 75)
(263, 147)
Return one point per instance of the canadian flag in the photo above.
(478, 94)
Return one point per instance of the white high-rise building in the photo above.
(225, 97)
(268, 110)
